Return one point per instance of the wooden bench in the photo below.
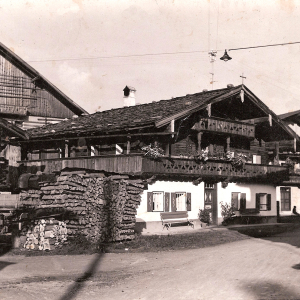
(178, 217)
(247, 213)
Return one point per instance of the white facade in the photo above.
(197, 197)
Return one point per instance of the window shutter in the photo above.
(234, 200)
(243, 199)
(242, 204)
(188, 201)
(257, 203)
(149, 201)
(167, 202)
(268, 201)
(173, 202)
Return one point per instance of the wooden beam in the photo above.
(101, 136)
(197, 107)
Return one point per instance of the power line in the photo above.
(272, 45)
(121, 56)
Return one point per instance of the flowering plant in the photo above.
(154, 152)
(227, 210)
(239, 160)
(202, 156)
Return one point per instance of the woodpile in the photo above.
(45, 235)
(101, 208)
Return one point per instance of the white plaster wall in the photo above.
(224, 194)
(197, 193)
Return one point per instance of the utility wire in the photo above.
(264, 46)
(121, 56)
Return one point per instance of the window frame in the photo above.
(185, 200)
(289, 200)
(163, 201)
(268, 203)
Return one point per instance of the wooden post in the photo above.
(128, 145)
(172, 126)
(276, 154)
(199, 138)
(228, 144)
(66, 148)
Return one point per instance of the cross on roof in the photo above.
(243, 77)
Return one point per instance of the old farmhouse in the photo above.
(183, 154)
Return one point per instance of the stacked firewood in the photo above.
(31, 197)
(102, 208)
(45, 235)
(124, 198)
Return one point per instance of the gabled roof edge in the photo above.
(32, 73)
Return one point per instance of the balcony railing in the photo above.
(141, 165)
(229, 127)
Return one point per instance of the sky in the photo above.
(92, 49)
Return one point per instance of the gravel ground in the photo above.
(248, 269)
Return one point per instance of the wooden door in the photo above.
(211, 201)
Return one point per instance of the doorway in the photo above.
(211, 201)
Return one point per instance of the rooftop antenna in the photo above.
(212, 56)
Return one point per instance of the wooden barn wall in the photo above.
(184, 147)
(18, 92)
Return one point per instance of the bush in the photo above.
(227, 210)
(204, 216)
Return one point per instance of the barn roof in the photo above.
(40, 79)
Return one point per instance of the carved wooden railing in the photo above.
(213, 168)
(231, 127)
(138, 165)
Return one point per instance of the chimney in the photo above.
(129, 96)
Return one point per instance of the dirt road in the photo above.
(248, 269)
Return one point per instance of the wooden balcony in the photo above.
(141, 165)
(227, 127)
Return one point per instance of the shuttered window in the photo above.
(158, 201)
(263, 201)
(181, 201)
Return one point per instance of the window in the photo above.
(209, 185)
(257, 159)
(158, 201)
(165, 201)
(285, 198)
(180, 201)
(238, 200)
(263, 201)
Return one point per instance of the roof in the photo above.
(291, 117)
(150, 115)
(126, 117)
(36, 76)
(13, 129)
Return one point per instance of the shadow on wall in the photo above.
(140, 225)
(270, 290)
